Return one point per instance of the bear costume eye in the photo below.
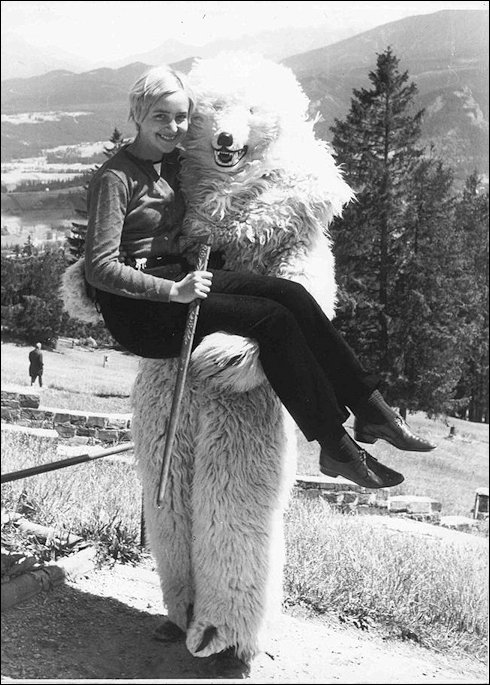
(252, 110)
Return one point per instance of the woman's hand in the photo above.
(195, 284)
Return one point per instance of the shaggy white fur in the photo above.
(268, 210)
(266, 190)
(74, 295)
(256, 178)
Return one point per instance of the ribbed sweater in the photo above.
(132, 212)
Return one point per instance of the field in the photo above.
(77, 379)
(40, 214)
(405, 585)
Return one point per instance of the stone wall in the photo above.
(21, 406)
(21, 409)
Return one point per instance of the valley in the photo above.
(44, 216)
(53, 124)
(42, 195)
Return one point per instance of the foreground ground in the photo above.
(100, 626)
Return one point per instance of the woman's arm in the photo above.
(107, 206)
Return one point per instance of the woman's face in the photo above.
(164, 126)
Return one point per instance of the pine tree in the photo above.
(376, 146)
(394, 246)
(427, 302)
(28, 248)
(471, 219)
(31, 305)
(117, 140)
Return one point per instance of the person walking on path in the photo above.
(36, 365)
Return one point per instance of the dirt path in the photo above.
(100, 626)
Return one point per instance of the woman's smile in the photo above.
(169, 112)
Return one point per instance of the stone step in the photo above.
(42, 433)
(413, 504)
(339, 484)
(461, 523)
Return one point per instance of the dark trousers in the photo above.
(307, 362)
(39, 376)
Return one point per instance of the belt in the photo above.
(153, 262)
(143, 263)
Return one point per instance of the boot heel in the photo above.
(365, 437)
(326, 472)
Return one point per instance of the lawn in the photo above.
(450, 474)
(76, 378)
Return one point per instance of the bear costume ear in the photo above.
(73, 292)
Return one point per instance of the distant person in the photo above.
(36, 365)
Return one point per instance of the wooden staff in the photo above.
(185, 355)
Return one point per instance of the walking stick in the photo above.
(185, 355)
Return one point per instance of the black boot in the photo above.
(168, 632)
(227, 664)
(343, 457)
(376, 419)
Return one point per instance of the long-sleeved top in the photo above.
(36, 363)
(132, 212)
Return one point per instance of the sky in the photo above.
(111, 30)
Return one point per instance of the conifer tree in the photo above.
(31, 306)
(471, 219)
(394, 248)
(376, 146)
(28, 248)
(117, 141)
(428, 333)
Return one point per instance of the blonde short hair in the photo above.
(154, 84)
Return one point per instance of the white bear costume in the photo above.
(266, 193)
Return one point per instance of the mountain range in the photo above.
(276, 45)
(22, 60)
(445, 54)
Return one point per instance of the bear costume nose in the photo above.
(225, 139)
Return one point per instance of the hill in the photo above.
(445, 53)
(82, 108)
(20, 59)
(64, 89)
(276, 45)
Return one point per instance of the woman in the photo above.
(143, 286)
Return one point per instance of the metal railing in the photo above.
(71, 461)
(63, 463)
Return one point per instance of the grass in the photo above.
(99, 500)
(431, 592)
(449, 474)
(76, 378)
